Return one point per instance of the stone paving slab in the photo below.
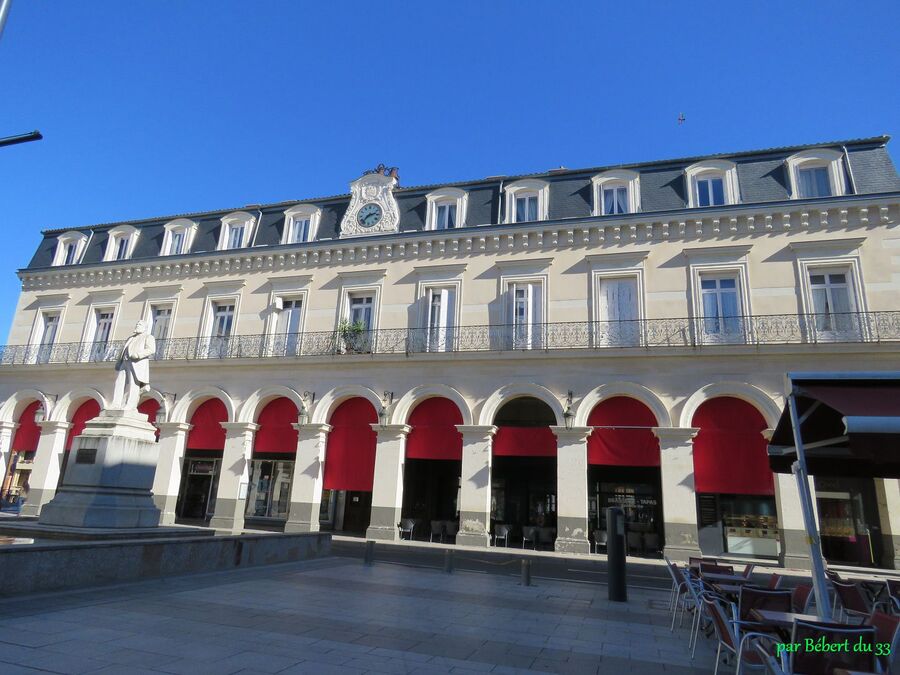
(337, 616)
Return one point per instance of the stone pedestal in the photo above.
(387, 489)
(109, 475)
(475, 486)
(572, 489)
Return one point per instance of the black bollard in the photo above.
(526, 573)
(369, 556)
(615, 554)
(448, 561)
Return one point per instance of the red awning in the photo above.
(28, 433)
(434, 434)
(350, 451)
(730, 450)
(275, 432)
(618, 446)
(86, 411)
(207, 432)
(850, 425)
(524, 442)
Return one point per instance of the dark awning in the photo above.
(850, 425)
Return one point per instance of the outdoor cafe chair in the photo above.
(634, 540)
(546, 535)
(501, 531)
(407, 525)
(599, 540)
(752, 597)
(733, 636)
(715, 568)
(809, 662)
(893, 593)
(887, 630)
(801, 598)
(529, 533)
(651, 542)
(748, 570)
(451, 527)
(678, 584)
(854, 603)
(768, 660)
(437, 528)
(774, 581)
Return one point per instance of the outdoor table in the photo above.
(733, 579)
(781, 619)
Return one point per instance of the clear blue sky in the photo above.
(161, 107)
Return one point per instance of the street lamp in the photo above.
(568, 415)
(386, 400)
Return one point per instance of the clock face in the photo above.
(369, 215)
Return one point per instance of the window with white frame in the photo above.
(48, 328)
(833, 299)
(526, 314)
(720, 304)
(178, 237)
(816, 173)
(288, 325)
(301, 224)
(69, 248)
(360, 310)
(356, 331)
(446, 209)
(527, 201)
(712, 183)
(441, 310)
(101, 333)
(619, 311)
(120, 243)
(160, 321)
(616, 192)
(221, 327)
(237, 231)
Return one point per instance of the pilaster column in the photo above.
(387, 490)
(676, 454)
(792, 530)
(167, 479)
(887, 492)
(306, 487)
(572, 489)
(475, 485)
(234, 477)
(7, 429)
(47, 466)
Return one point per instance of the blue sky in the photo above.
(164, 107)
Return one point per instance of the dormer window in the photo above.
(237, 231)
(816, 173)
(121, 242)
(301, 224)
(527, 201)
(446, 209)
(712, 183)
(616, 192)
(178, 237)
(69, 247)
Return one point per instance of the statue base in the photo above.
(109, 475)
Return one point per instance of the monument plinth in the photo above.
(109, 475)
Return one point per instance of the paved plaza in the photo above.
(335, 615)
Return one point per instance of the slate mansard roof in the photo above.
(762, 176)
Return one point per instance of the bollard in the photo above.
(369, 556)
(448, 561)
(526, 573)
(615, 554)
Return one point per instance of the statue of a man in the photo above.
(133, 368)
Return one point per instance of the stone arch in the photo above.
(68, 404)
(755, 396)
(338, 395)
(629, 389)
(253, 404)
(518, 390)
(413, 397)
(188, 403)
(12, 408)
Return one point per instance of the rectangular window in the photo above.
(49, 329)
(70, 254)
(440, 319)
(361, 307)
(814, 182)
(619, 323)
(176, 242)
(161, 317)
(103, 319)
(526, 208)
(526, 315)
(832, 301)
(220, 332)
(710, 192)
(121, 248)
(721, 305)
(358, 337)
(445, 217)
(235, 236)
(287, 328)
(300, 231)
(615, 200)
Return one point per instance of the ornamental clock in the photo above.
(373, 208)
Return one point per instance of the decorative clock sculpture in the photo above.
(369, 215)
(373, 208)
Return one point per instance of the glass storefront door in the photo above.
(270, 489)
(197, 497)
(848, 520)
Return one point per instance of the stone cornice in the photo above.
(589, 233)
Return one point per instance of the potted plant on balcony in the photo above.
(351, 337)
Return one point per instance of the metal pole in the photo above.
(615, 554)
(820, 583)
(4, 12)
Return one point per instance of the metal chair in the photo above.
(854, 603)
(748, 570)
(887, 631)
(824, 663)
(651, 542)
(733, 636)
(501, 531)
(715, 568)
(407, 525)
(451, 527)
(801, 598)
(546, 536)
(437, 528)
(751, 598)
(529, 533)
(599, 540)
(774, 581)
(635, 541)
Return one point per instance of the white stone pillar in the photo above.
(234, 477)
(7, 430)
(167, 479)
(47, 465)
(887, 491)
(387, 489)
(792, 530)
(475, 485)
(309, 471)
(676, 454)
(572, 489)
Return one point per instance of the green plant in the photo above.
(350, 333)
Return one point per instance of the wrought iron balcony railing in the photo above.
(587, 335)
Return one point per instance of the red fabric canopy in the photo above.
(622, 447)
(350, 451)
(207, 432)
(434, 434)
(150, 408)
(275, 431)
(524, 442)
(86, 411)
(28, 433)
(730, 452)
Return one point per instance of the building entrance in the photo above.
(197, 497)
(848, 520)
(431, 493)
(357, 512)
(638, 491)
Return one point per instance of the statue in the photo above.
(133, 368)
